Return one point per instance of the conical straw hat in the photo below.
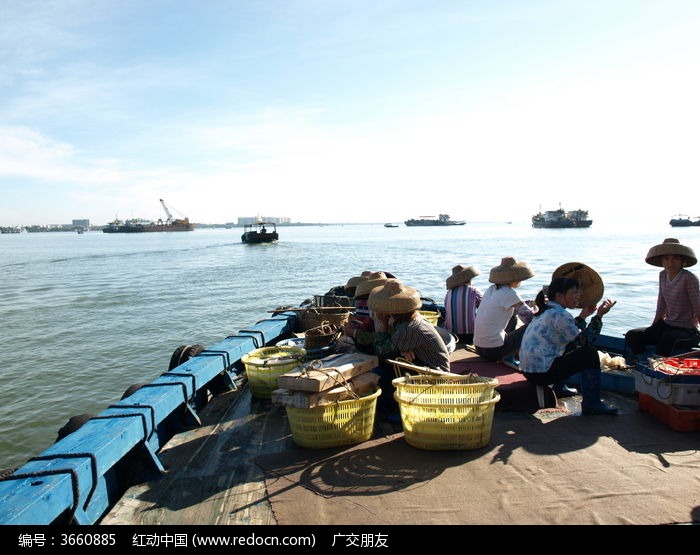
(590, 283)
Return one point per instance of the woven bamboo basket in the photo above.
(446, 413)
(342, 423)
(332, 300)
(321, 336)
(311, 318)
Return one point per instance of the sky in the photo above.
(348, 110)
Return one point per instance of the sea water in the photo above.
(84, 316)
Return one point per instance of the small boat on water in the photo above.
(260, 232)
(138, 225)
(561, 219)
(391, 225)
(682, 220)
(441, 220)
(196, 447)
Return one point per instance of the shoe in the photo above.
(563, 390)
(511, 360)
(590, 391)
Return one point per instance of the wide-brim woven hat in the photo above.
(671, 246)
(590, 283)
(356, 280)
(375, 279)
(510, 270)
(461, 275)
(393, 297)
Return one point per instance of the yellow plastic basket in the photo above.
(264, 366)
(442, 413)
(431, 316)
(342, 423)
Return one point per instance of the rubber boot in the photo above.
(590, 391)
(562, 390)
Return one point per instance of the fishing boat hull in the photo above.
(260, 237)
(258, 233)
(200, 422)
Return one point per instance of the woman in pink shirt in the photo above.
(675, 324)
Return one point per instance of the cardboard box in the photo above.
(333, 371)
(357, 387)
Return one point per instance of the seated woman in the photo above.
(400, 327)
(495, 334)
(461, 301)
(400, 331)
(678, 302)
(556, 345)
(361, 326)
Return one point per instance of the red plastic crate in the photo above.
(675, 417)
(674, 366)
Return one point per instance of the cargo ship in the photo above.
(561, 219)
(137, 225)
(442, 219)
(684, 221)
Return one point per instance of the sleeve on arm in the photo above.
(524, 312)
(383, 346)
(593, 328)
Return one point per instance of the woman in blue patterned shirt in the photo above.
(556, 345)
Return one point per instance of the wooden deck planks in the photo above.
(211, 477)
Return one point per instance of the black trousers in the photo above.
(510, 345)
(663, 336)
(570, 363)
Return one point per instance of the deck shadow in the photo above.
(372, 468)
(587, 469)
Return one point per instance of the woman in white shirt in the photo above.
(496, 336)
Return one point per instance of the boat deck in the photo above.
(548, 466)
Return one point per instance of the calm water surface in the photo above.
(85, 316)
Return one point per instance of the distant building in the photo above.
(85, 224)
(252, 219)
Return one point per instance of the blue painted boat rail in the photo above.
(79, 478)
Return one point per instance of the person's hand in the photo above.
(349, 329)
(605, 307)
(408, 355)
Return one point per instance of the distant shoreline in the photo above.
(71, 228)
